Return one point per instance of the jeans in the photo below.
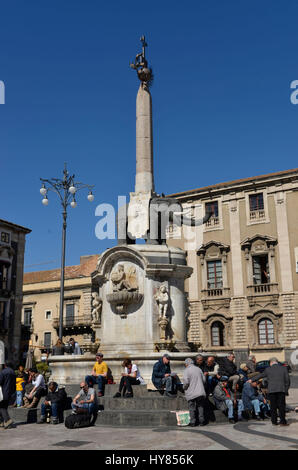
(90, 406)
(230, 405)
(169, 383)
(19, 397)
(54, 409)
(100, 380)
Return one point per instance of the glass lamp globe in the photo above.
(90, 197)
(72, 189)
(43, 190)
(45, 201)
(73, 204)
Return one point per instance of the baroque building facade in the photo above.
(243, 293)
(12, 249)
(41, 297)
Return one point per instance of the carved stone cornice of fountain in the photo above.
(166, 345)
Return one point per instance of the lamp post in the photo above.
(66, 189)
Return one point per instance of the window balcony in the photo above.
(212, 222)
(258, 214)
(76, 322)
(269, 291)
(220, 296)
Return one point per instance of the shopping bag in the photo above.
(183, 418)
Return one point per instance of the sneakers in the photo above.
(128, 395)
(117, 395)
(231, 421)
(55, 421)
(170, 395)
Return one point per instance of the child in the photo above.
(20, 387)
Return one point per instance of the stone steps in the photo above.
(146, 409)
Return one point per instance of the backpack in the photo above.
(77, 421)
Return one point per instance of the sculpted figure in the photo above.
(162, 299)
(96, 307)
(121, 281)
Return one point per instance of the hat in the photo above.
(224, 378)
(167, 356)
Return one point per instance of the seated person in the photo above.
(210, 371)
(253, 400)
(99, 374)
(54, 403)
(243, 373)
(131, 376)
(228, 369)
(85, 399)
(225, 400)
(39, 389)
(163, 377)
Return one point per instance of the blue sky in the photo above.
(221, 103)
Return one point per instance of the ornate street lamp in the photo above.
(66, 189)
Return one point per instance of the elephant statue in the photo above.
(162, 211)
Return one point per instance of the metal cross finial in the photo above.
(144, 44)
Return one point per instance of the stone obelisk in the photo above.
(138, 209)
(144, 142)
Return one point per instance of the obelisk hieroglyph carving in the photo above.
(138, 210)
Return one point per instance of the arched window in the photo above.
(266, 331)
(217, 334)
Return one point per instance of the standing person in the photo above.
(98, 375)
(39, 390)
(74, 347)
(199, 362)
(8, 385)
(20, 387)
(130, 377)
(278, 387)
(228, 369)
(59, 348)
(163, 377)
(193, 384)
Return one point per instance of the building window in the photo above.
(214, 274)
(27, 316)
(4, 268)
(266, 331)
(256, 206)
(47, 340)
(217, 334)
(5, 237)
(212, 207)
(48, 315)
(260, 269)
(69, 320)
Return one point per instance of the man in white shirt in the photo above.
(39, 390)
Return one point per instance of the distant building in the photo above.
(243, 293)
(12, 247)
(41, 300)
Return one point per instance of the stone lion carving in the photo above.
(162, 299)
(96, 308)
(122, 280)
